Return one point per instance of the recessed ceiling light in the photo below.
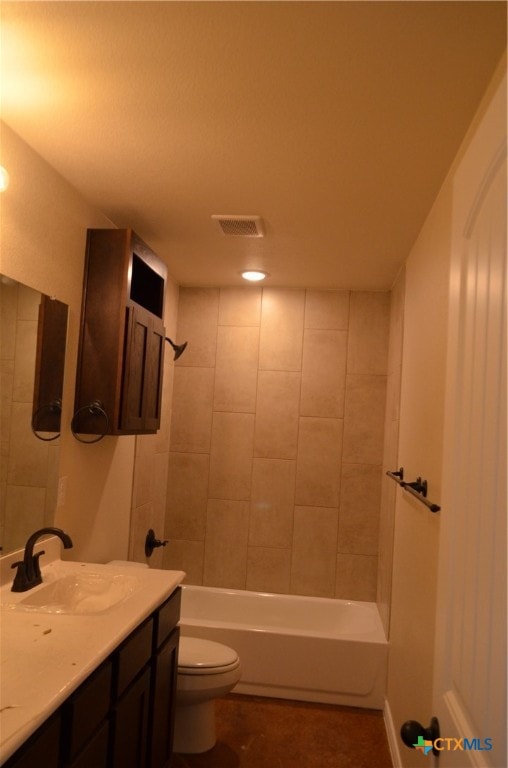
(254, 275)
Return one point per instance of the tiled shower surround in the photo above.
(276, 445)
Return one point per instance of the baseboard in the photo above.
(392, 735)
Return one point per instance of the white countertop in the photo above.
(44, 657)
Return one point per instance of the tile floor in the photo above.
(255, 732)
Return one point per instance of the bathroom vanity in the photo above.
(91, 686)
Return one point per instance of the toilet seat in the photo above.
(205, 657)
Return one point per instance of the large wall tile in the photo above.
(369, 321)
(142, 486)
(327, 310)
(226, 544)
(391, 451)
(24, 513)
(356, 577)
(6, 386)
(268, 569)
(359, 509)
(187, 556)
(396, 336)
(231, 456)
(393, 394)
(280, 402)
(28, 460)
(277, 408)
(187, 495)
(318, 462)
(240, 306)
(8, 318)
(364, 419)
(282, 313)
(142, 519)
(28, 303)
(191, 421)
(198, 310)
(24, 370)
(272, 501)
(313, 560)
(236, 369)
(323, 373)
(159, 472)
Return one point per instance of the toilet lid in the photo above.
(195, 653)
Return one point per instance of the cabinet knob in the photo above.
(152, 543)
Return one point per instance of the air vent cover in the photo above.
(239, 226)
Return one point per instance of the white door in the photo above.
(470, 654)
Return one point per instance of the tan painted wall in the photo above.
(420, 452)
(416, 539)
(43, 234)
(390, 451)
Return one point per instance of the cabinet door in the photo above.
(163, 706)
(142, 375)
(131, 725)
(95, 753)
(86, 711)
(42, 749)
(153, 375)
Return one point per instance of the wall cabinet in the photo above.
(122, 716)
(121, 348)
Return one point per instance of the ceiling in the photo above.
(336, 122)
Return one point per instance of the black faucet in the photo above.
(28, 574)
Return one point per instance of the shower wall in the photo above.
(276, 444)
(391, 451)
(150, 476)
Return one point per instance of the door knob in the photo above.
(152, 543)
(413, 734)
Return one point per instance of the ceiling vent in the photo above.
(240, 226)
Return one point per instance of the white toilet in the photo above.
(206, 670)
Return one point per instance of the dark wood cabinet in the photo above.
(130, 726)
(165, 673)
(122, 716)
(142, 386)
(49, 365)
(96, 753)
(121, 348)
(42, 748)
(86, 713)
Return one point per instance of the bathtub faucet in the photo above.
(28, 572)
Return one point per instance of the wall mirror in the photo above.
(33, 332)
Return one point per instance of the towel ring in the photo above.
(95, 409)
(54, 407)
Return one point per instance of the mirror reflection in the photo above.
(33, 330)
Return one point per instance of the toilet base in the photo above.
(195, 727)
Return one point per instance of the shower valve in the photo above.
(152, 543)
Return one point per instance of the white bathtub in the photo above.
(306, 648)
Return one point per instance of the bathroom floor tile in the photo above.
(255, 732)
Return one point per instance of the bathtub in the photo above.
(305, 648)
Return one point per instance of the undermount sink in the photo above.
(80, 593)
